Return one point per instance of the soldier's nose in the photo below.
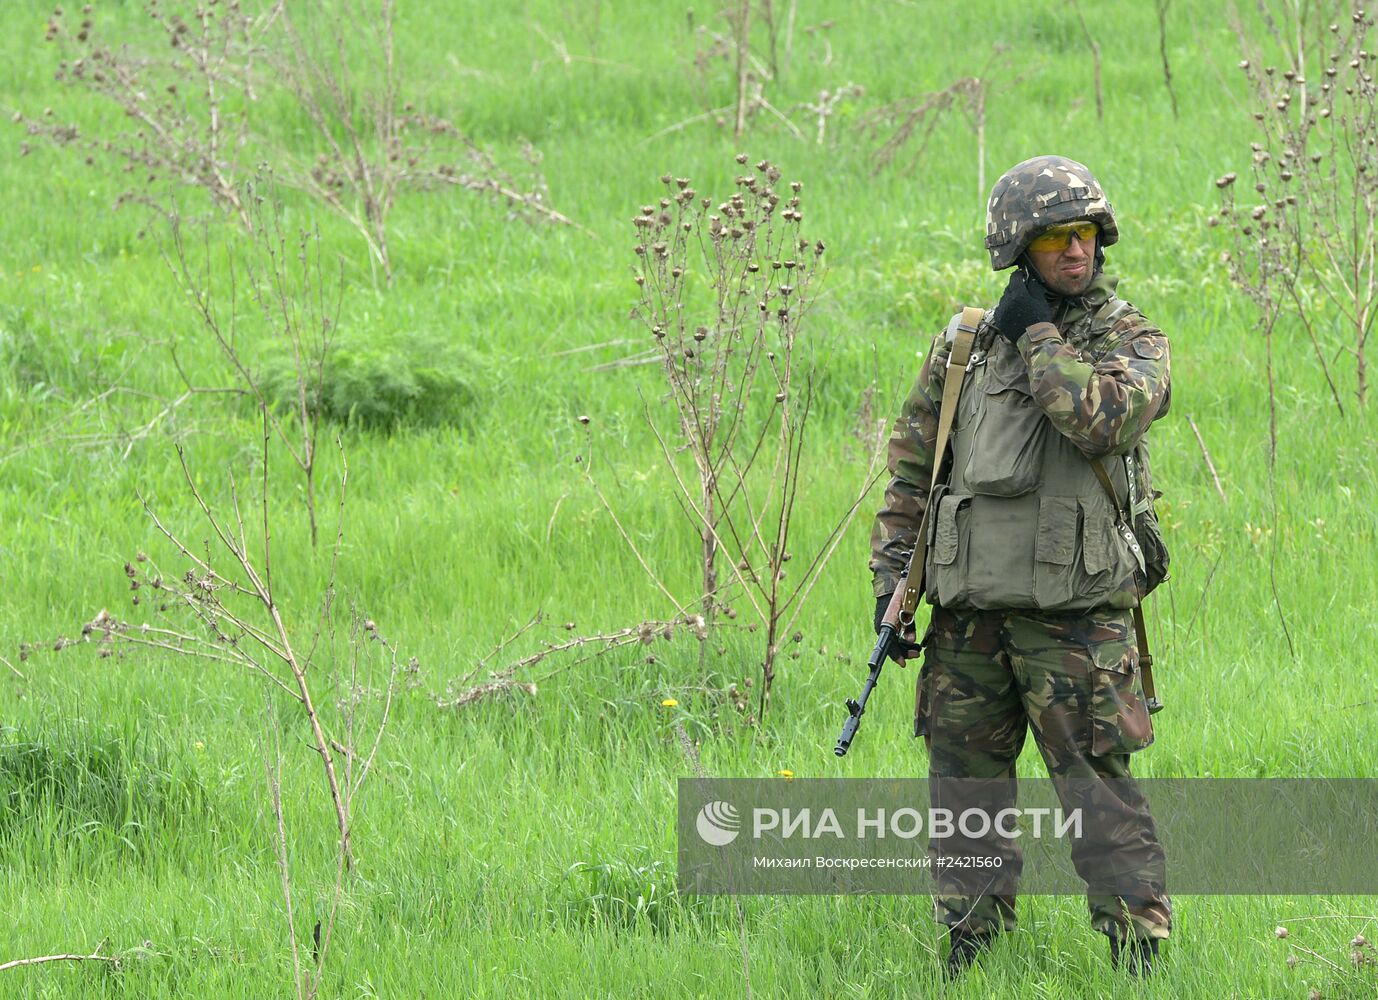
(1076, 250)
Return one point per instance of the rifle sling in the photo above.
(958, 359)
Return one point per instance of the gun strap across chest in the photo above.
(1140, 632)
(957, 365)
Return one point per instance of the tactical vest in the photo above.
(1022, 521)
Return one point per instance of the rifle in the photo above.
(899, 614)
(890, 642)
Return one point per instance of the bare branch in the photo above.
(1207, 456)
(95, 956)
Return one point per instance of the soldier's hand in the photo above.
(899, 648)
(1024, 303)
(882, 603)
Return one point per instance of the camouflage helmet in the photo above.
(1042, 192)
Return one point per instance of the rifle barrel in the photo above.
(856, 707)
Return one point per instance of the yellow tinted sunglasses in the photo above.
(1060, 237)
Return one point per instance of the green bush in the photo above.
(386, 381)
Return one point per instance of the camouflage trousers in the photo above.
(988, 677)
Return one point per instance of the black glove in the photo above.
(882, 603)
(1024, 303)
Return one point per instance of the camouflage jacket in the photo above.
(1100, 373)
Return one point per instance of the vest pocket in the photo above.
(1097, 528)
(1112, 568)
(947, 576)
(945, 540)
(1007, 434)
(1055, 551)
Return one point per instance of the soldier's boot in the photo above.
(966, 946)
(1134, 954)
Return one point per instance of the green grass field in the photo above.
(525, 845)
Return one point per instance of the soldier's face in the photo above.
(1067, 271)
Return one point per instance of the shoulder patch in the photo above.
(1148, 348)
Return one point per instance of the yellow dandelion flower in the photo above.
(200, 745)
(37, 268)
(785, 773)
(669, 703)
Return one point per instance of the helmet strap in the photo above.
(1025, 263)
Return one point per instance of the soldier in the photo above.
(1029, 569)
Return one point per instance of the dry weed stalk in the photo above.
(1094, 46)
(779, 35)
(1355, 974)
(870, 429)
(376, 142)
(191, 86)
(741, 40)
(1305, 244)
(187, 97)
(100, 421)
(505, 679)
(95, 956)
(224, 608)
(723, 293)
(1162, 8)
(827, 104)
(358, 750)
(584, 17)
(757, 46)
(921, 115)
(298, 299)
